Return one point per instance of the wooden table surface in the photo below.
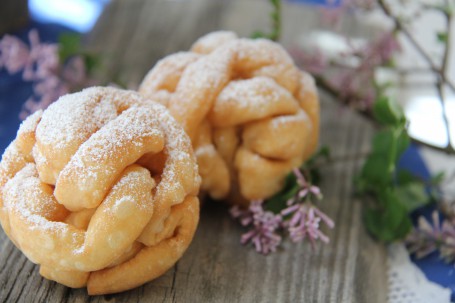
(216, 268)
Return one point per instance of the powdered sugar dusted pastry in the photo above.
(251, 113)
(100, 190)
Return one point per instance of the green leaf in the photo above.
(442, 37)
(390, 221)
(404, 177)
(311, 165)
(391, 143)
(275, 3)
(388, 112)
(69, 45)
(376, 172)
(259, 34)
(275, 18)
(412, 195)
(403, 141)
(92, 62)
(383, 142)
(323, 152)
(277, 202)
(437, 179)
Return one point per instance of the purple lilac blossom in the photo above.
(428, 236)
(263, 233)
(305, 221)
(301, 219)
(355, 84)
(41, 64)
(14, 54)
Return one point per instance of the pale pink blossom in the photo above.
(14, 54)
(305, 186)
(314, 62)
(41, 65)
(263, 233)
(300, 219)
(43, 60)
(428, 236)
(305, 223)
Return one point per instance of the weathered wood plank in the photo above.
(216, 267)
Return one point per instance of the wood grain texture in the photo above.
(216, 268)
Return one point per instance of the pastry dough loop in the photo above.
(251, 113)
(98, 188)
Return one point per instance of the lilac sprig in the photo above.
(40, 64)
(303, 216)
(428, 237)
(305, 222)
(265, 225)
(299, 218)
(356, 84)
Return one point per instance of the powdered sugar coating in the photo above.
(246, 85)
(73, 118)
(212, 41)
(38, 214)
(86, 145)
(29, 125)
(248, 100)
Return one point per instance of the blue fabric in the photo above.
(326, 3)
(433, 266)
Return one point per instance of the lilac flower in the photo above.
(428, 237)
(305, 222)
(447, 250)
(43, 60)
(301, 219)
(14, 54)
(41, 64)
(264, 226)
(354, 83)
(315, 62)
(387, 46)
(305, 186)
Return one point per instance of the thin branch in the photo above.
(398, 70)
(440, 84)
(448, 149)
(440, 71)
(440, 89)
(445, 57)
(323, 83)
(399, 26)
(330, 89)
(412, 71)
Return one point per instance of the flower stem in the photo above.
(399, 26)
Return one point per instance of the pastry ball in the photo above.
(100, 190)
(251, 114)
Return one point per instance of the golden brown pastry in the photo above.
(100, 190)
(252, 115)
